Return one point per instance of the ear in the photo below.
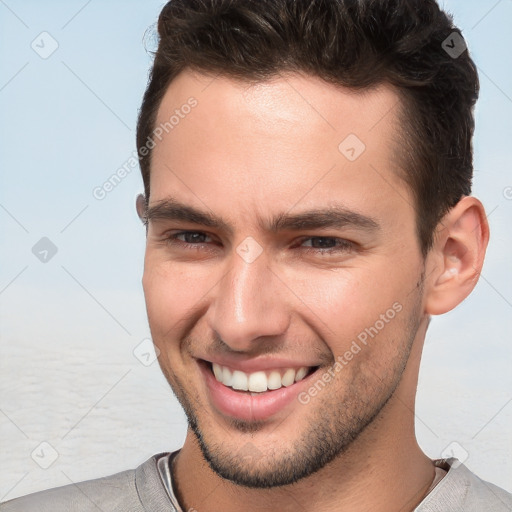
(140, 204)
(455, 261)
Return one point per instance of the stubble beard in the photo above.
(333, 427)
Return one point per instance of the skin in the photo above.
(246, 153)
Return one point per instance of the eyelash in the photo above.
(344, 246)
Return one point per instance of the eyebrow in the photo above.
(334, 216)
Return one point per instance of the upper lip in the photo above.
(258, 364)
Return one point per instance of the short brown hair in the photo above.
(353, 43)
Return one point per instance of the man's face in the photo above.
(256, 295)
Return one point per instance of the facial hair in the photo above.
(333, 427)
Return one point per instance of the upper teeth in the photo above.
(258, 381)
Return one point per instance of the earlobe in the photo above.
(457, 256)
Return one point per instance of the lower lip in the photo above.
(243, 405)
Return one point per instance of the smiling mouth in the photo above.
(262, 381)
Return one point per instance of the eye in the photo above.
(198, 240)
(192, 239)
(327, 244)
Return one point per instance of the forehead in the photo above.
(301, 104)
(293, 139)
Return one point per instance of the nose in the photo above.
(249, 303)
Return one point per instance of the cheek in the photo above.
(362, 305)
(169, 300)
(170, 297)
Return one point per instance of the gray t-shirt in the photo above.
(149, 488)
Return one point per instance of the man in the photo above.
(307, 170)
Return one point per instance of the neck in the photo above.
(383, 470)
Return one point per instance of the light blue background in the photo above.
(69, 326)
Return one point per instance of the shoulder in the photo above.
(461, 489)
(115, 492)
(121, 492)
